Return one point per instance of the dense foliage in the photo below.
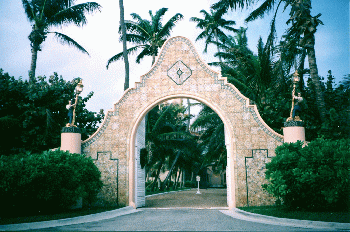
(147, 35)
(314, 177)
(33, 113)
(211, 137)
(335, 125)
(46, 182)
(169, 145)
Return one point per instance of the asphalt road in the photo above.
(175, 220)
(181, 211)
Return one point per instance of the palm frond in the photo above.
(198, 21)
(202, 35)
(64, 39)
(217, 14)
(142, 29)
(261, 10)
(120, 55)
(136, 17)
(75, 14)
(28, 9)
(134, 38)
(231, 4)
(145, 52)
(157, 19)
(169, 25)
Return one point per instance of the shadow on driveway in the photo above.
(209, 198)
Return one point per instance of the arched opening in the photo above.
(208, 173)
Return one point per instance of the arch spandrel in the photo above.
(180, 72)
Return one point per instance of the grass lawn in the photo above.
(52, 216)
(343, 217)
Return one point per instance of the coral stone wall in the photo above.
(180, 72)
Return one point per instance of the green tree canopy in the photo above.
(168, 142)
(212, 25)
(212, 137)
(300, 36)
(33, 113)
(314, 177)
(147, 35)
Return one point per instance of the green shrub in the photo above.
(47, 182)
(314, 177)
(190, 184)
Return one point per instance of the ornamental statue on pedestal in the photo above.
(296, 100)
(71, 107)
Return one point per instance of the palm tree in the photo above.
(125, 54)
(301, 32)
(147, 35)
(260, 77)
(212, 25)
(254, 75)
(44, 14)
(303, 28)
(212, 137)
(167, 141)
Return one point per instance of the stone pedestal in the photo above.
(71, 139)
(294, 131)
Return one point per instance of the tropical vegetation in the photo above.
(46, 182)
(147, 35)
(32, 113)
(212, 25)
(46, 14)
(299, 177)
(265, 78)
(125, 52)
(313, 177)
(169, 146)
(300, 36)
(211, 139)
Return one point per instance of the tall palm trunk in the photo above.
(301, 69)
(153, 59)
(153, 185)
(217, 46)
(153, 54)
(189, 114)
(125, 54)
(171, 170)
(34, 50)
(316, 81)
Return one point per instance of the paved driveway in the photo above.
(176, 220)
(209, 198)
(181, 211)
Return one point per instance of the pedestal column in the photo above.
(71, 139)
(294, 131)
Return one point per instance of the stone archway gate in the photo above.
(179, 72)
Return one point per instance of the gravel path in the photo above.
(209, 198)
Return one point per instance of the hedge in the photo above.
(47, 182)
(313, 177)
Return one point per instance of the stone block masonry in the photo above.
(179, 72)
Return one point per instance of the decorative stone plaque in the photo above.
(179, 72)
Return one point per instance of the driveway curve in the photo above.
(180, 211)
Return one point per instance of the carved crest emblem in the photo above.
(179, 72)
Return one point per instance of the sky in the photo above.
(100, 38)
